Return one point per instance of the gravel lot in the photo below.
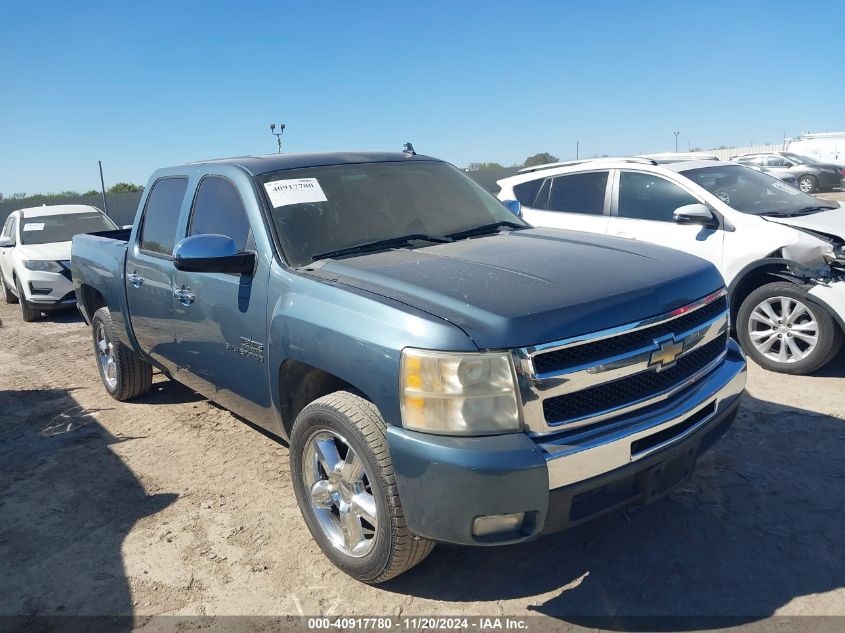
(170, 505)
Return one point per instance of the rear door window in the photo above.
(161, 215)
(578, 193)
(648, 197)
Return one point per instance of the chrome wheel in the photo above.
(105, 356)
(807, 184)
(783, 329)
(339, 493)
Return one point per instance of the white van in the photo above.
(828, 147)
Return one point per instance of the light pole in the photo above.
(676, 141)
(278, 134)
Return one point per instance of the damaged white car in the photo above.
(780, 250)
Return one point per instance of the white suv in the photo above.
(779, 250)
(35, 255)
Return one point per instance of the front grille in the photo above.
(629, 390)
(589, 352)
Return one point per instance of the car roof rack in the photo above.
(642, 160)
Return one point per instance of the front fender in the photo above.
(352, 334)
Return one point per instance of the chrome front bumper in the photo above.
(595, 450)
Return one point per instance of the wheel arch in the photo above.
(89, 301)
(758, 274)
(301, 384)
(766, 271)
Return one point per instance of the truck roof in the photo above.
(257, 165)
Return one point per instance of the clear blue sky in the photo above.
(143, 85)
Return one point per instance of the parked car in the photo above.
(812, 175)
(35, 255)
(780, 250)
(827, 147)
(781, 174)
(441, 370)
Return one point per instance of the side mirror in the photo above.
(5, 242)
(514, 206)
(695, 214)
(212, 254)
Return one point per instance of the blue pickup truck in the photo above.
(441, 370)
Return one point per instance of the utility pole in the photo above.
(577, 148)
(103, 188)
(278, 134)
(676, 141)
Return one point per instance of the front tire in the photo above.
(346, 489)
(8, 295)
(783, 330)
(28, 313)
(808, 184)
(124, 374)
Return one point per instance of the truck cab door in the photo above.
(578, 202)
(642, 209)
(149, 272)
(221, 318)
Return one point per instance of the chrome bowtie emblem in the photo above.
(666, 353)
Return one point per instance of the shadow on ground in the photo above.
(167, 391)
(66, 504)
(71, 315)
(759, 524)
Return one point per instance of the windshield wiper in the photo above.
(807, 211)
(487, 228)
(381, 244)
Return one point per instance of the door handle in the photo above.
(185, 296)
(135, 279)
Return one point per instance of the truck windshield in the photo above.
(45, 229)
(751, 191)
(320, 210)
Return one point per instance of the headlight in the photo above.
(43, 266)
(454, 393)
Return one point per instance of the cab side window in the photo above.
(777, 161)
(578, 193)
(648, 197)
(218, 210)
(161, 215)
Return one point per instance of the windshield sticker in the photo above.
(294, 191)
(34, 226)
(792, 191)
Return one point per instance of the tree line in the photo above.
(532, 161)
(120, 187)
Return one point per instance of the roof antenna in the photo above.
(409, 149)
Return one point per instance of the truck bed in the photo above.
(97, 265)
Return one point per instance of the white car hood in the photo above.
(55, 251)
(830, 222)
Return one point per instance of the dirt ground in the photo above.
(170, 505)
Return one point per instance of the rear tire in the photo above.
(374, 545)
(799, 342)
(808, 184)
(8, 295)
(124, 374)
(28, 313)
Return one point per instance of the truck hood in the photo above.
(55, 251)
(830, 222)
(532, 286)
